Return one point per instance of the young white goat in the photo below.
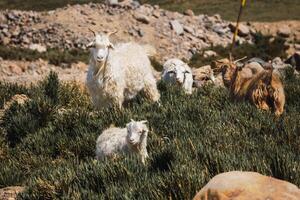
(177, 72)
(132, 139)
(118, 73)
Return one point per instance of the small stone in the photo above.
(15, 69)
(243, 29)
(189, 29)
(177, 27)
(141, 33)
(112, 2)
(284, 31)
(156, 13)
(38, 47)
(209, 53)
(142, 18)
(25, 39)
(218, 28)
(5, 40)
(189, 12)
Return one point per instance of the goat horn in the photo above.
(93, 32)
(238, 60)
(112, 33)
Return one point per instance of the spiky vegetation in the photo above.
(48, 143)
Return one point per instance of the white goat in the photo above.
(132, 139)
(176, 71)
(118, 73)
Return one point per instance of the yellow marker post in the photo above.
(243, 4)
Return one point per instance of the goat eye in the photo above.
(187, 72)
(171, 72)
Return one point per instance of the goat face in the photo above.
(100, 47)
(137, 131)
(227, 69)
(177, 71)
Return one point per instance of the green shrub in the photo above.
(190, 141)
(54, 56)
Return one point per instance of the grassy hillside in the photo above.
(48, 144)
(256, 10)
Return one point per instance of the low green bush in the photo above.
(54, 56)
(50, 142)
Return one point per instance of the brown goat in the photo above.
(260, 86)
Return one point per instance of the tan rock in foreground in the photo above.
(246, 186)
(10, 193)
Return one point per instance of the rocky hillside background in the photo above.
(59, 36)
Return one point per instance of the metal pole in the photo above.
(243, 3)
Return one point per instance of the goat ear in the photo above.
(112, 33)
(131, 120)
(91, 44)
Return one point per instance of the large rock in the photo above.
(238, 185)
(243, 29)
(177, 27)
(10, 193)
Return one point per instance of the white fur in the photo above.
(176, 71)
(119, 73)
(132, 139)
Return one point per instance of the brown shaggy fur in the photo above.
(263, 87)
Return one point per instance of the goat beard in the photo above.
(99, 68)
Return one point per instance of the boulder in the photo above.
(239, 185)
(177, 27)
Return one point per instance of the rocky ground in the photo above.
(26, 73)
(172, 34)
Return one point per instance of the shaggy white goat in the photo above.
(117, 73)
(132, 139)
(176, 71)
